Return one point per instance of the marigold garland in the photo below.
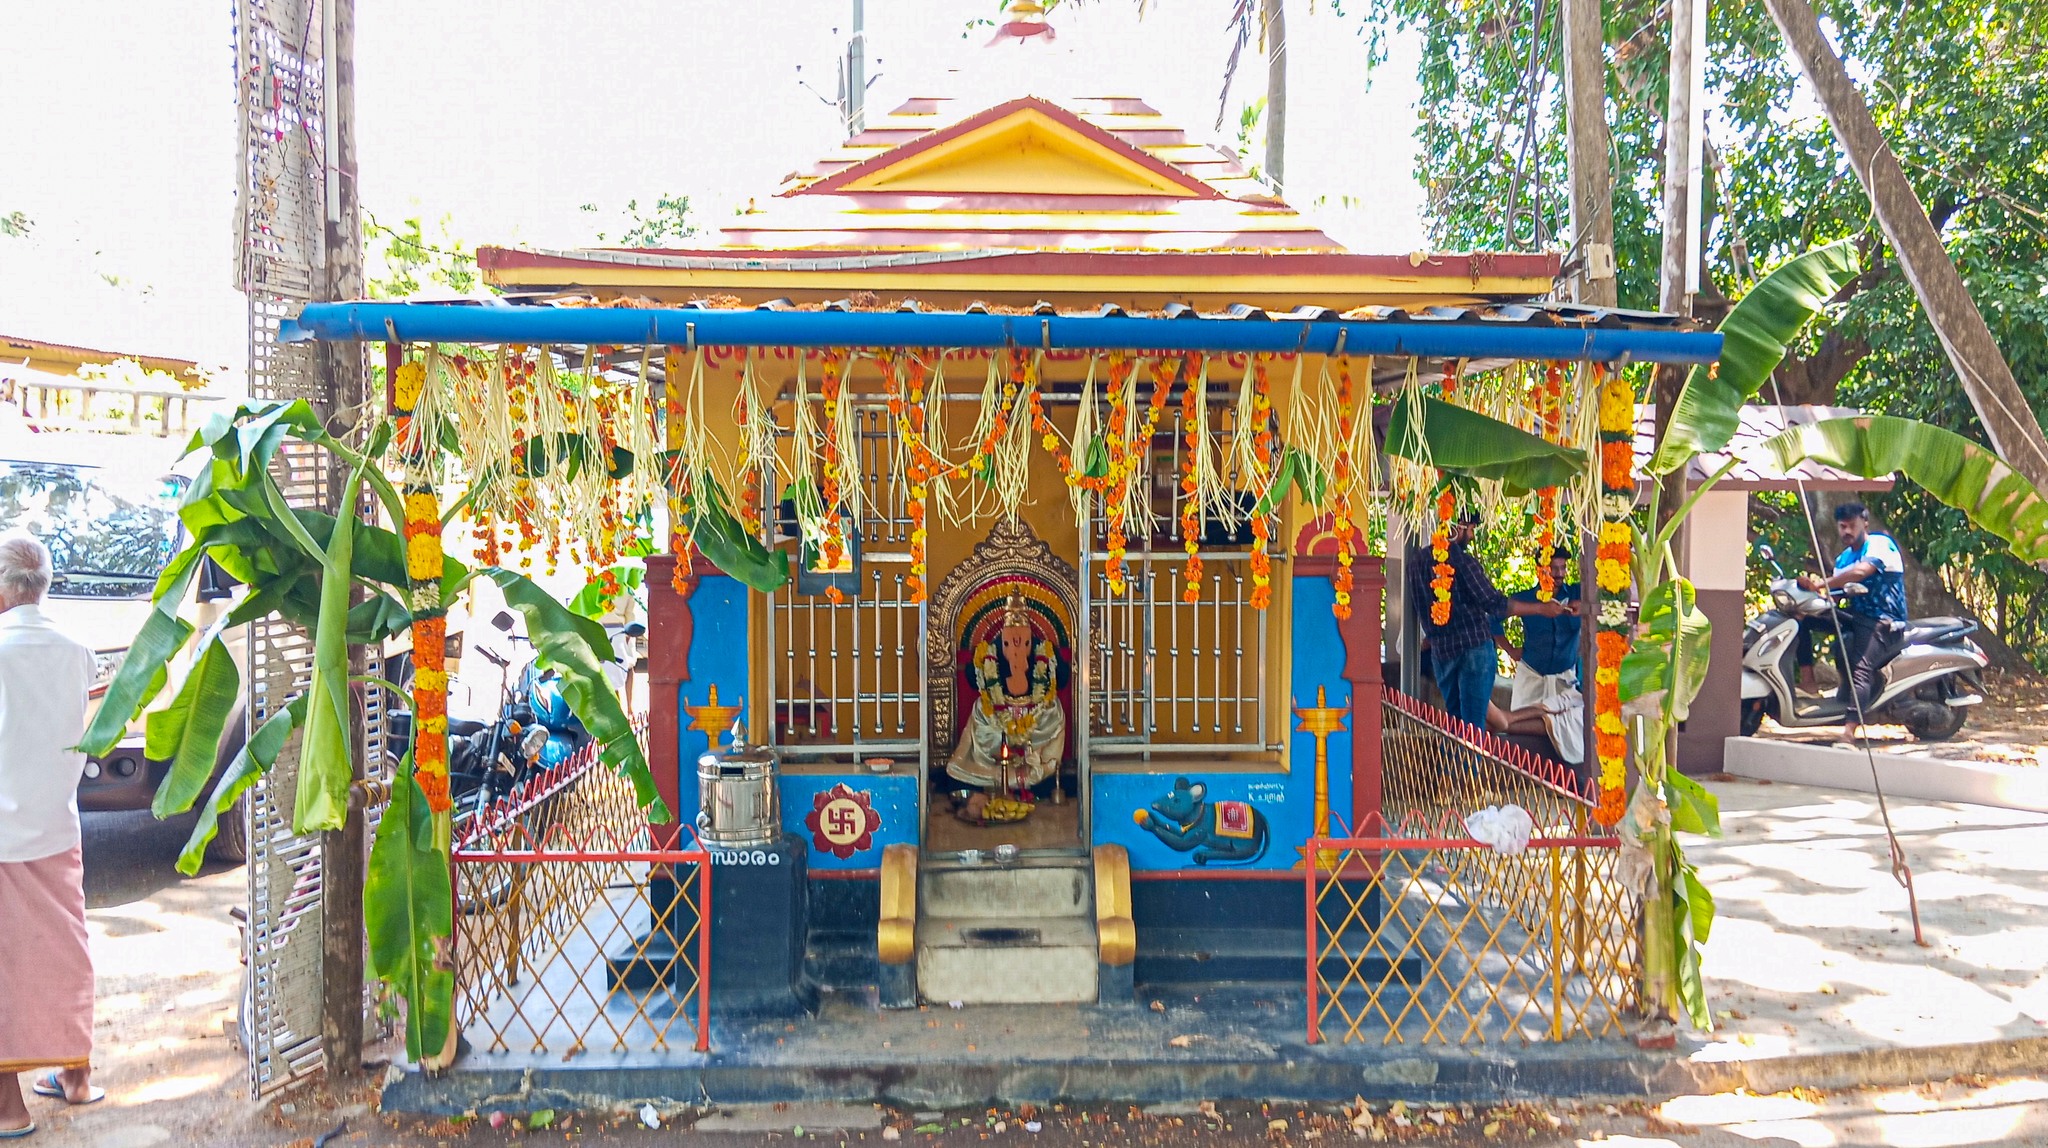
(1550, 411)
(1440, 549)
(1190, 503)
(901, 374)
(1340, 493)
(1617, 502)
(680, 509)
(423, 563)
(829, 386)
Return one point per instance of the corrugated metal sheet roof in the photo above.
(1752, 470)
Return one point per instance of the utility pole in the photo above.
(345, 381)
(1987, 379)
(1274, 13)
(1678, 278)
(855, 97)
(1587, 148)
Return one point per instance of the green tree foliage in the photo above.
(1954, 86)
(661, 225)
(410, 258)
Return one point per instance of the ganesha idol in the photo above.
(1017, 729)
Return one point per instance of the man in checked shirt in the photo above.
(1462, 650)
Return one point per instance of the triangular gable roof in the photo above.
(985, 152)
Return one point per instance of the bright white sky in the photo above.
(508, 115)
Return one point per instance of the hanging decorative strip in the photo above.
(677, 480)
(1261, 465)
(903, 379)
(1340, 496)
(1550, 415)
(1617, 502)
(1443, 573)
(1117, 449)
(1196, 445)
(418, 445)
(831, 381)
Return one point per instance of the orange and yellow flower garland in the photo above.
(1127, 457)
(1340, 493)
(423, 562)
(1617, 502)
(1550, 408)
(829, 386)
(1440, 549)
(1190, 503)
(901, 374)
(679, 509)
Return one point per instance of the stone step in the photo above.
(1042, 890)
(1006, 960)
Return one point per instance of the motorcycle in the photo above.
(1929, 680)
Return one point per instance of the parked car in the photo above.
(106, 505)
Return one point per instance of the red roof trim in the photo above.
(929, 140)
(1460, 266)
(1126, 237)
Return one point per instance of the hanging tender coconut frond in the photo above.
(1212, 494)
(941, 484)
(1082, 445)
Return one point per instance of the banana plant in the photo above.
(1468, 444)
(347, 583)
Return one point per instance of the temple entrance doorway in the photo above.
(1006, 892)
(1005, 732)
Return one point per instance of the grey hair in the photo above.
(24, 568)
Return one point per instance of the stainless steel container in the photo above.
(737, 789)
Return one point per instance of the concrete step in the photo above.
(1006, 960)
(1041, 890)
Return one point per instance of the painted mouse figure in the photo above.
(1232, 832)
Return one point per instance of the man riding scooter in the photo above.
(1872, 559)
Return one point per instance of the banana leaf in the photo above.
(721, 538)
(1754, 336)
(147, 665)
(187, 733)
(254, 759)
(1693, 808)
(408, 909)
(1669, 657)
(1692, 920)
(326, 753)
(1959, 472)
(1471, 445)
(577, 647)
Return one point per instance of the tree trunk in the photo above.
(1588, 146)
(1986, 378)
(346, 385)
(1274, 13)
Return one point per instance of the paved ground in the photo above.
(165, 953)
(2005, 730)
(1809, 918)
(1812, 948)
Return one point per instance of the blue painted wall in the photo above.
(1287, 801)
(718, 657)
(892, 796)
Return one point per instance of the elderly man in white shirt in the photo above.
(45, 964)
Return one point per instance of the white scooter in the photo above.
(1929, 682)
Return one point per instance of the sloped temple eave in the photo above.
(428, 322)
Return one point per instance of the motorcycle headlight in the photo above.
(105, 664)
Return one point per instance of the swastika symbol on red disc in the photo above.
(843, 821)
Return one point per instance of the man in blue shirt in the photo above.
(1546, 683)
(1872, 559)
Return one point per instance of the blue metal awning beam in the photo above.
(1477, 339)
